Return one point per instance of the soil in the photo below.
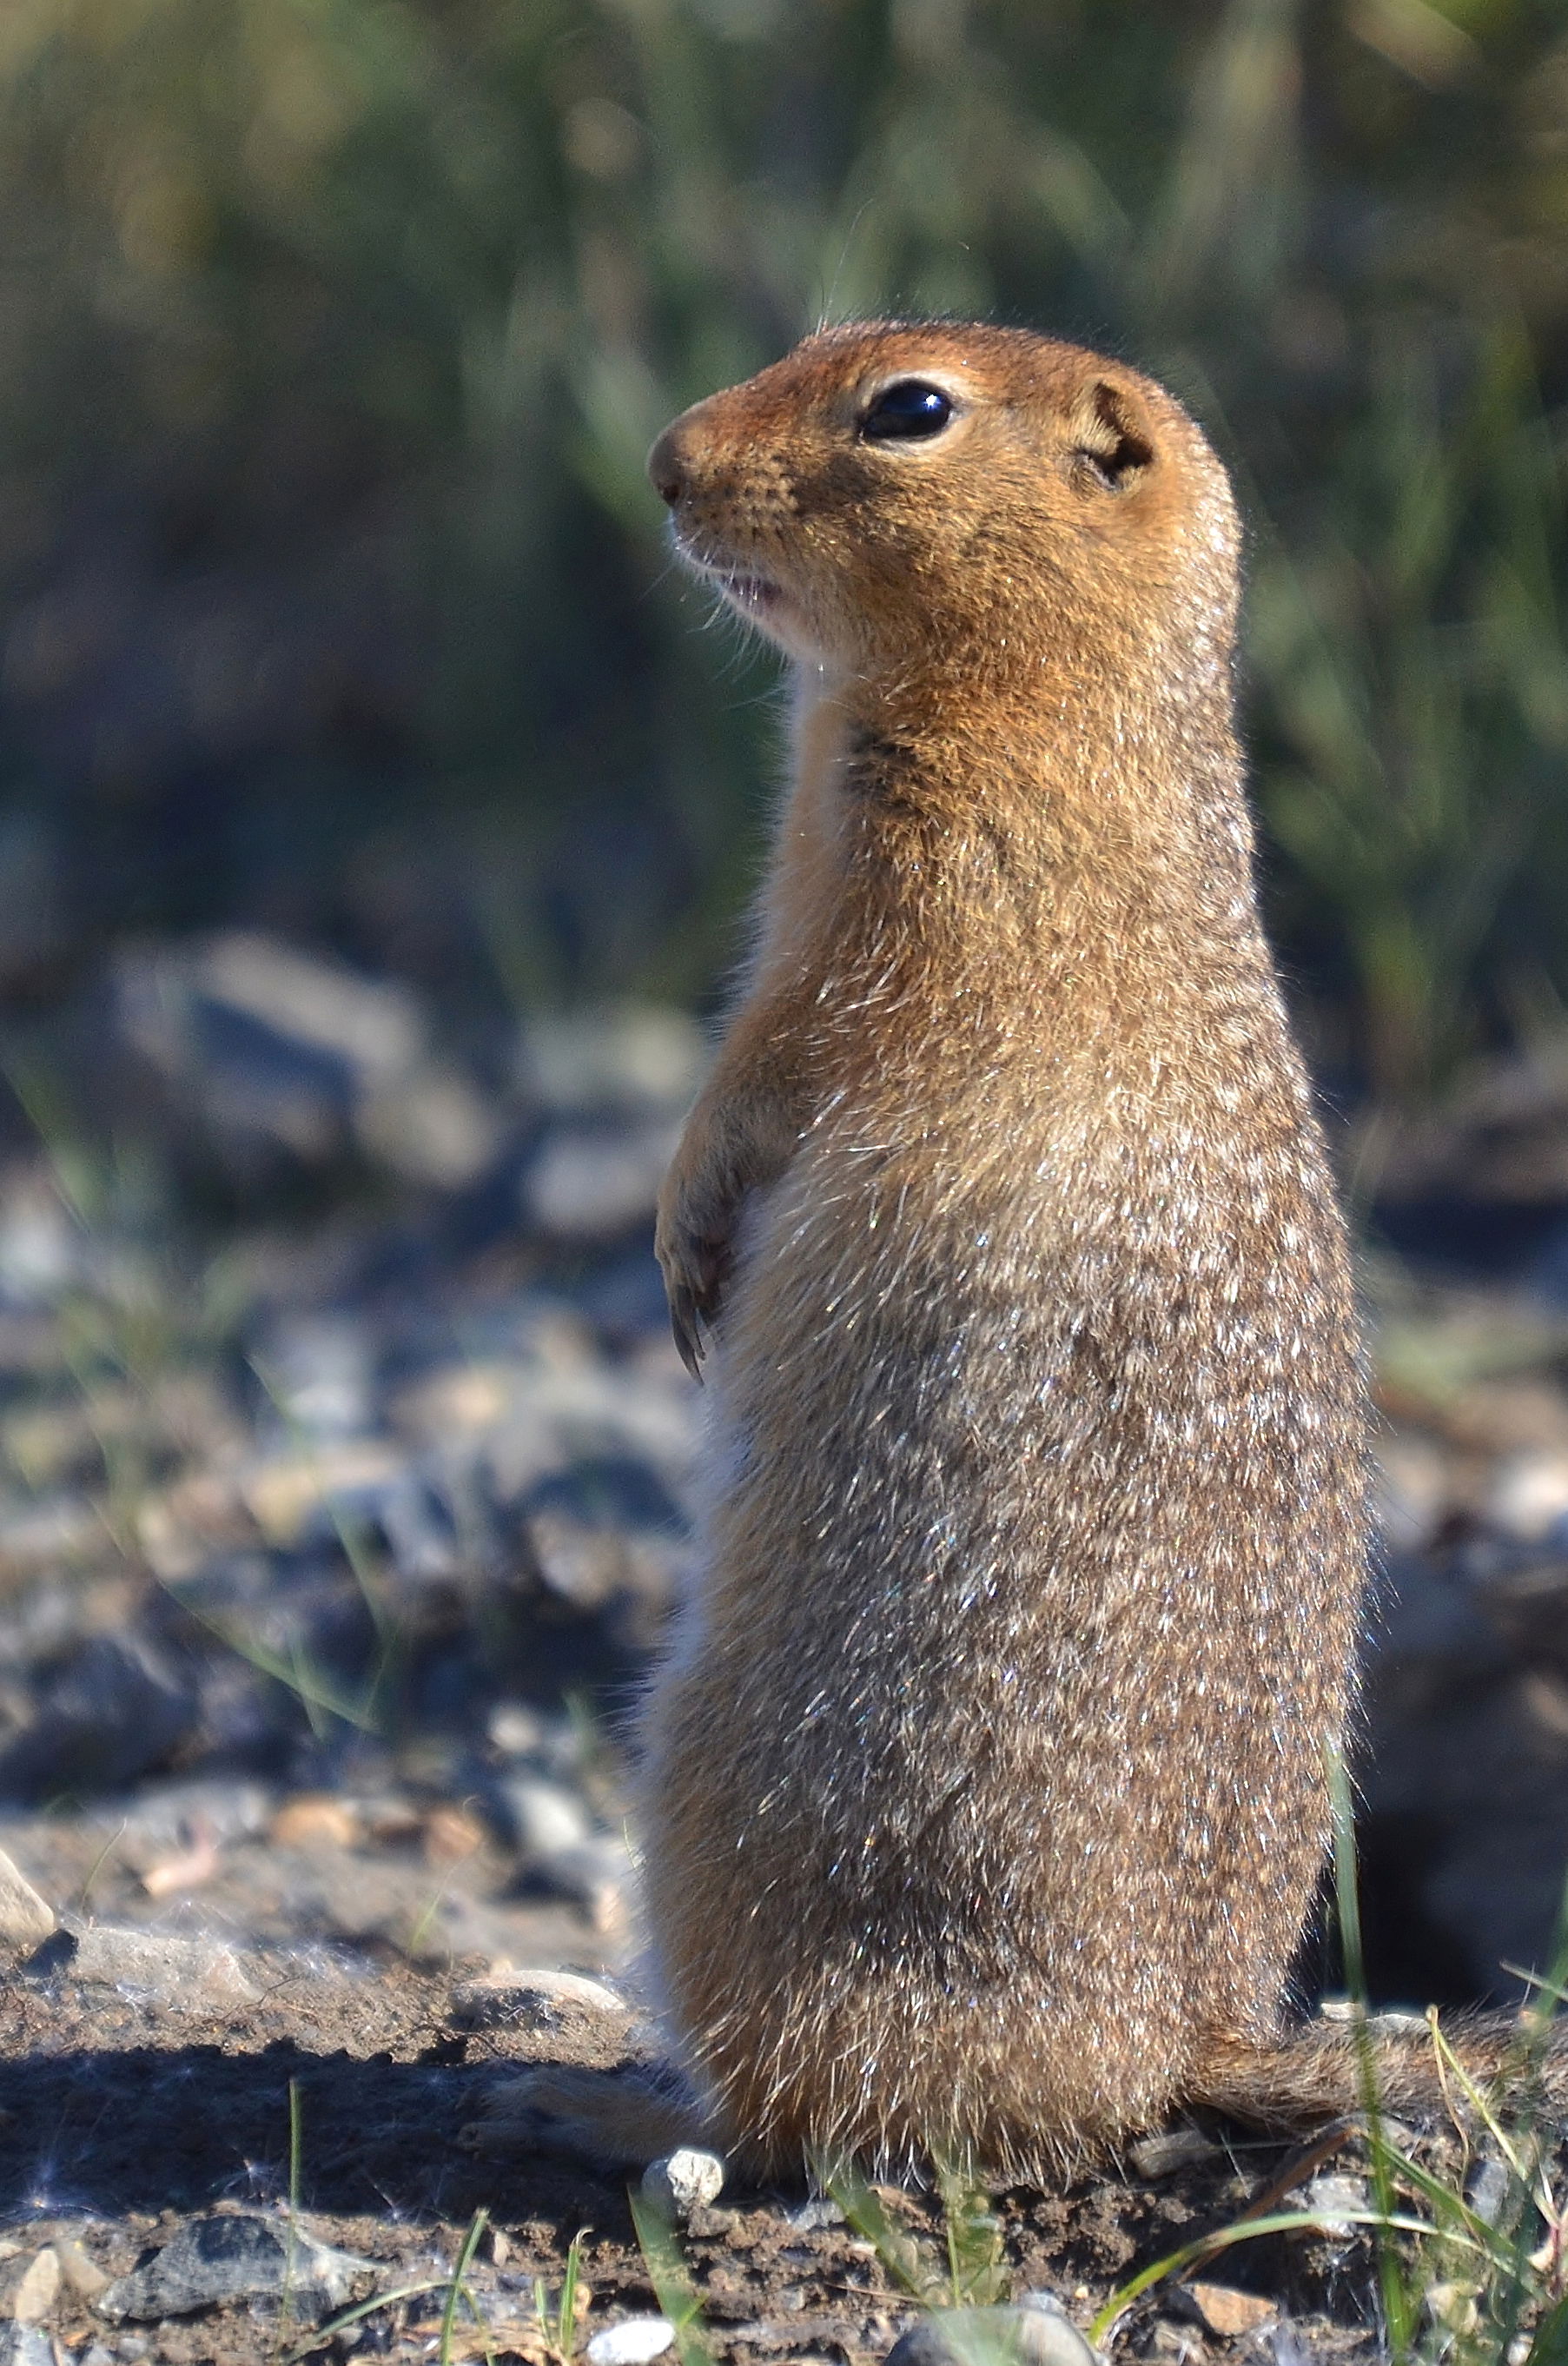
(116, 2124)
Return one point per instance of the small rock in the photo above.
(235, 2256)
(424, 1536)
(318, 1373)
(1175, 2342)
(811, 2216)
(632, 2342)
(296, 1499)
(47, 1537)
(515, 1730)
(108, 1715)
(589, 1184)
(583, 1562)
(1229, 2312)
(452, 1833)
(40, 2288)
(543, 1818)
(1038, 2332)
(97, 2356)
(684, 2181)
(1486, 2188)
(429, 1126)
(26, 2345)
(1452, 2307)
(1172, 2149)
(1392, 2024)
(621, 1058)
(1333, 2199)
(555, 2001)
(317, 1820)
(185, 1975)
(83, 2276)
(595, 1874)
(1528, 1496)
(40, 1248)
(171, 1815)
(255, 1052)
(1046, 2334)
(24, 1919)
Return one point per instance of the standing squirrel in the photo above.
(985, 1797)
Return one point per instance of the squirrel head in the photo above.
(893, 500)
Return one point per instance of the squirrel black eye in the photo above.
(911, 409)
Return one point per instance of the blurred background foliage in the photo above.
(332, 598)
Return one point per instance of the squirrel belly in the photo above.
(1029, 1583)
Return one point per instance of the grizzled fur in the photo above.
(985, 1795)
(986, 1785)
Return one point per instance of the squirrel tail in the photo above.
(1326, 2070)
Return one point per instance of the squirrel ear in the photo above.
(1110, 434)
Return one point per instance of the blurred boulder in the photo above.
(110, 1712)
(623, 1059)
(37, 930)
(590, 1184)
(318, 1369)
(41, 1250)
(270, 1061)
(1501, 1135)
(612, 1086)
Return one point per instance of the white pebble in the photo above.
(536, 2001)
(546, 1817)
(632, 2342)
(684, 2181)
(1528, 1496)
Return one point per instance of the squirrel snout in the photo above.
(665, 469)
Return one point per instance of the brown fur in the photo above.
(985, 1787)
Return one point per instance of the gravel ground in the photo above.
(331, 1558)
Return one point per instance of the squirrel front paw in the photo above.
(694, 1257)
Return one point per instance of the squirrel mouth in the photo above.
(751, 591)
(754, 595)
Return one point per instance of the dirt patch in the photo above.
(116, 2128)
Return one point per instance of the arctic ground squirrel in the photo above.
(984, 1797)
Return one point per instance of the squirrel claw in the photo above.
(683, 1323)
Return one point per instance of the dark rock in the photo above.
(238, 2256)
(110, 1713)
(267, 1059)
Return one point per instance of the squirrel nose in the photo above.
(664, 469)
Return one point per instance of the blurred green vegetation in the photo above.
(336, 330)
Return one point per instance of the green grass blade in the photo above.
(677, 2296)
